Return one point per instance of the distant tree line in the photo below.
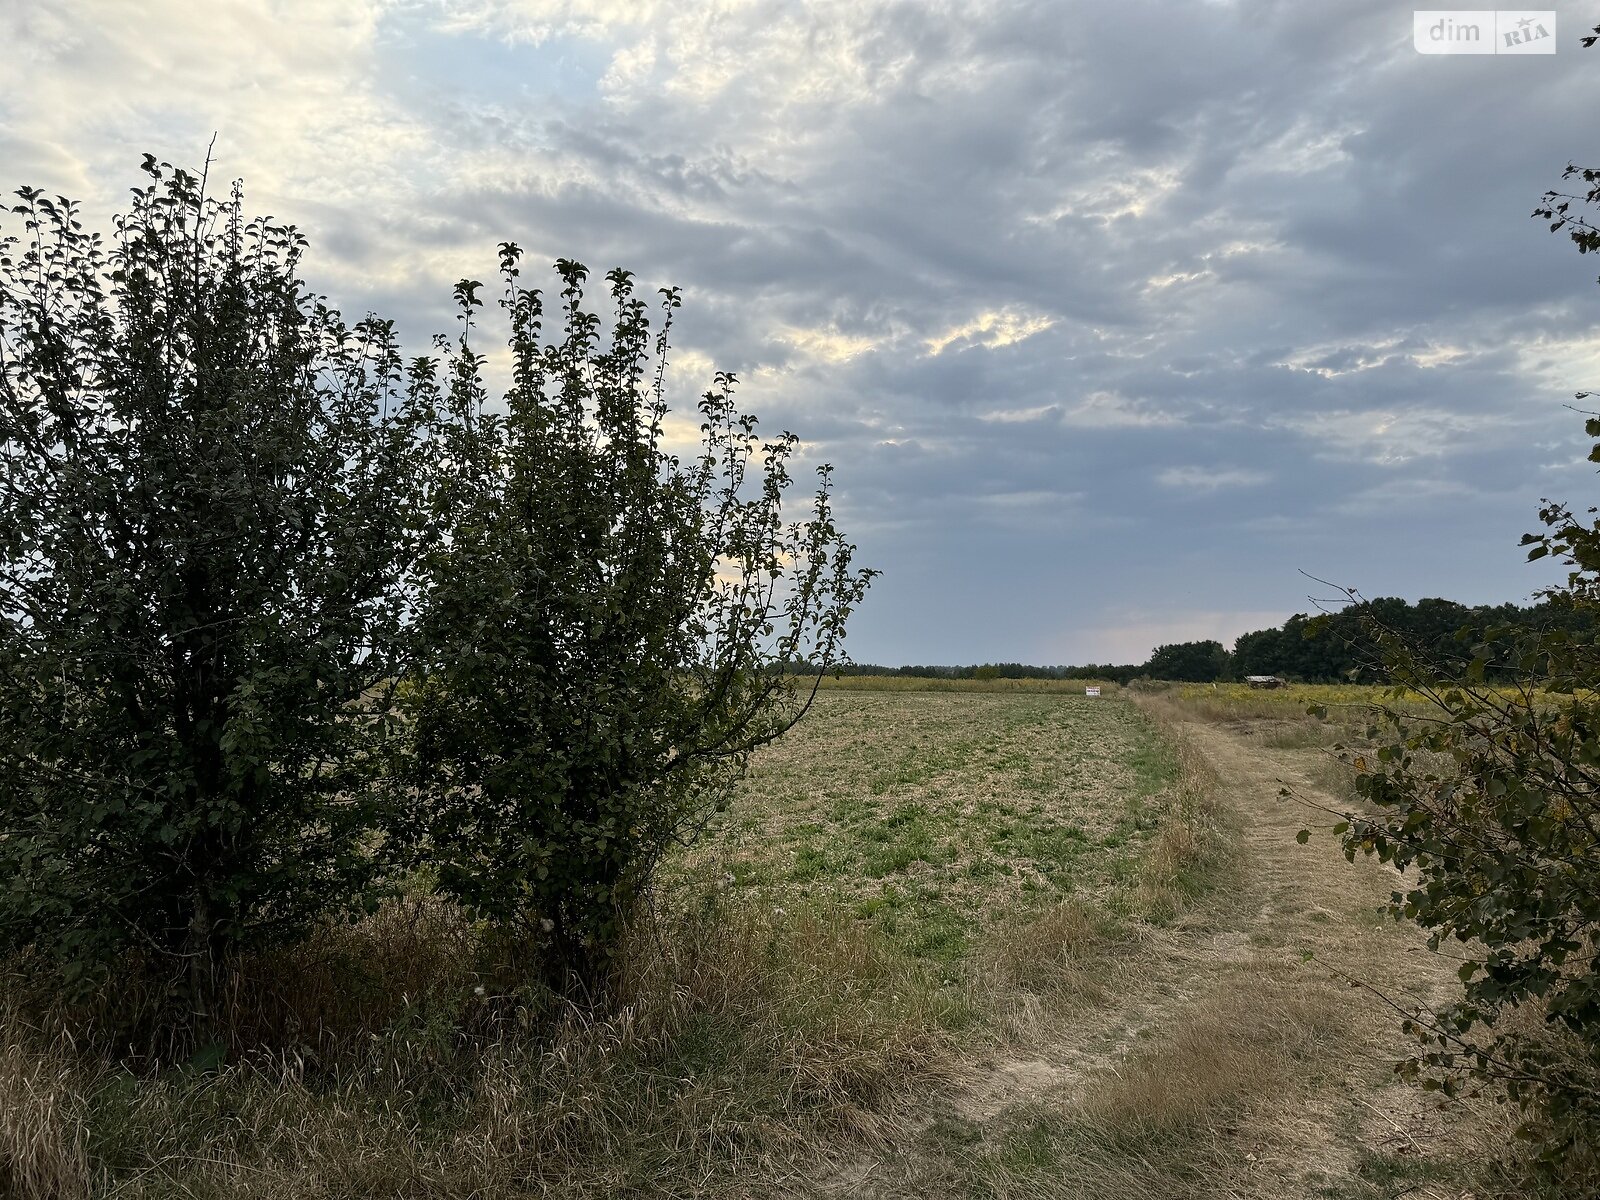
(1343, 646)
(1005, 670)
(1334, 647)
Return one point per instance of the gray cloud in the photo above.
(1113, 318)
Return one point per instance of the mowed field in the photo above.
(1002, 942)
(1148, 986)
(942, 818)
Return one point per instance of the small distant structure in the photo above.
(1265, 681)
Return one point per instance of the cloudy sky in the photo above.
(1114, 318)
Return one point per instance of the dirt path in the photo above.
(1228, 1057)
(1307, 899)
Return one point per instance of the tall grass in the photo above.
(1191, 851)
(737, 1038)
(43, 1141)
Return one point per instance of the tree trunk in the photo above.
(201, 987)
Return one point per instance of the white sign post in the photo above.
(1091, 691)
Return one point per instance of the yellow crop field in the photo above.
(1299, 695)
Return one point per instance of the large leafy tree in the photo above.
(607, 620)
(1193, 662)
(203, 475)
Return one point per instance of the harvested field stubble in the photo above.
(908, 879)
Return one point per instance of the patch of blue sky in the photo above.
(474, 68)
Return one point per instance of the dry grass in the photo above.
(932, 683)
(42, 1137)
(1050, 953)
(1172, 1119)
(757, 1019)
(739, 1038)
(1200, 1108)
(348, 980)
(1233, 1052)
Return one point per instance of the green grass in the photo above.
(938, 816)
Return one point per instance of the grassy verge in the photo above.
(1189, 855)
(898, 880)
(739, 1039)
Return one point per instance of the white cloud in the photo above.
(289, 89)
(992, 329)
(1210, 479)
(1117, 192)
(1388, 438)
(828, 345)
(1014, 416)
(1111, 410)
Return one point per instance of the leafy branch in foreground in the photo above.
(1486, 795)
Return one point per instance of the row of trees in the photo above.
(1334, 647)
(285, 618)
(1341, 646)
(1345, 646)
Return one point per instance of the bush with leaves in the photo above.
(606, 623)
(1488, 800)
(203, 479)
